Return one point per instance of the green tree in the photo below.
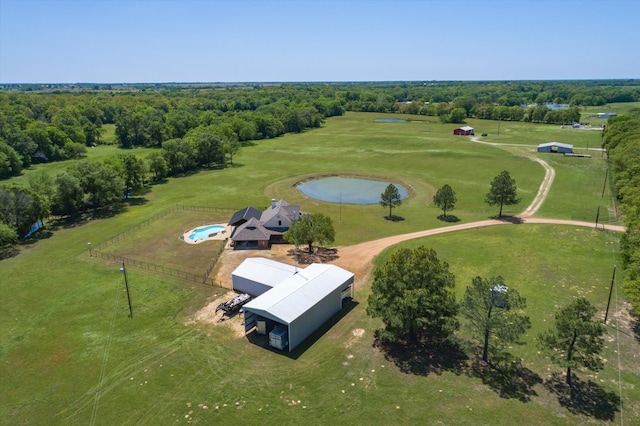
(20, 208)
(493, 311)
(231, 149)
(68, 199)
(311, 229)
(503, 191)
(390, 198)
(134, 171)
(457, 115)
(575, 339)
(10, 161)
(42, 183)
(445, 198)
(180, 155)
(8, 236)
(208, 145)
(413, 295)
(101, 183)
(157, 165)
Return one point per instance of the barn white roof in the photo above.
(265, 271)
(563, 145)
(300, 292)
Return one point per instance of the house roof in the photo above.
(300, 292)
(466, 128)
(251, 230)
(280, 208)
(265, 271)
(558, 144)
(245, 214)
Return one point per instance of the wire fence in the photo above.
(141, 264)
(161, 215)
(188, 276)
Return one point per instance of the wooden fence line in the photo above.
(202, 279)
(140, 264)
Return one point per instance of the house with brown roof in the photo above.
(253, 231)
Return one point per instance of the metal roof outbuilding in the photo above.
(303, 301)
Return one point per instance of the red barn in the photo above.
(464, 131)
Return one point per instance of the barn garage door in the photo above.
(249, 320)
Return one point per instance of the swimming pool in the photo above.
(203, 233)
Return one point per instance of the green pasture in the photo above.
(70, 354)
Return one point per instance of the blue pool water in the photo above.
(203, 233)
(348, 190)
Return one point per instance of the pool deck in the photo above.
(222, 235)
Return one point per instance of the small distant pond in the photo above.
(390, 120)
(556, 106)
(348, 190)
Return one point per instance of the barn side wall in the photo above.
(244, 285)
(314, 318)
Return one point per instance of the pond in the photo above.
(348, 190)
(556, 107)
(390, 120)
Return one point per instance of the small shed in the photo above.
(556, 147)
(301, 303)
(256, 275)
(464, 131)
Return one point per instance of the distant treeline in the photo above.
(622, 139)
(190, 126)
(59, 124)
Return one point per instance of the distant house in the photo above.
(464, 131)
(607, 114)
(557, 147)
(256, 229)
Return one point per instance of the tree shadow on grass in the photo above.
(394, 218)
(8, 252)
(449, 218)
(507, 377)
(635, 326)
(586, 398)
(511, 219)
(423, 359)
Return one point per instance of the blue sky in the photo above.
(97, 41)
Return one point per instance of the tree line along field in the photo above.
(62, 311)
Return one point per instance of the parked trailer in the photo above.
(234, 304)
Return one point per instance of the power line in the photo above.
(96, 402)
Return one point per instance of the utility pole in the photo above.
(295, 238)
(126, 284)
(613, 279)
(604, 185)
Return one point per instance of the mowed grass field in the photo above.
(70, 354)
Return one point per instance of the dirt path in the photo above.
(359, 258)
(545, 186)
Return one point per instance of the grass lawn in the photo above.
(70, 354)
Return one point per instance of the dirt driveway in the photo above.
(359, 258)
